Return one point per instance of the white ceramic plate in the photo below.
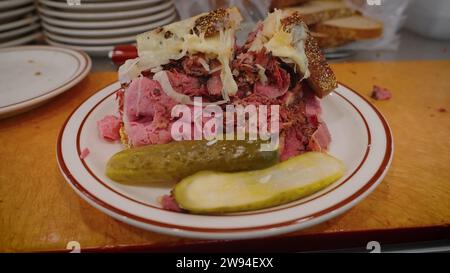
(109, 32)
(129, 4)
(19, 23)
(16, 12)
(31, 75)
(21, 40)
(8, 4)
(361, 139)
(7, 35)
(104, 15)
(106, 24)
(100, 51)
(90, 41)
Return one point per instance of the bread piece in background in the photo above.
(314, 12)
(351, 28)
(277, 4)
(327, 41)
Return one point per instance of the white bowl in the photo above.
(430, 18)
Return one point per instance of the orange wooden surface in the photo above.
(39, 211)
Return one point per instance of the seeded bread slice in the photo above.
(322, 79)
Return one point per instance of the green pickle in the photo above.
(176, 160)
(212, 192)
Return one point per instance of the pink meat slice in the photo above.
(186, 84)
(214, 85)
(292, 144)
(312, 107)
(148, 111)
(84, 153)
(279, 79)
(381, 93)
(192, 65)
(169, 203)
(109, 127)
(320, 139)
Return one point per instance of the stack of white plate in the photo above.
(19, 23)
(96, 26)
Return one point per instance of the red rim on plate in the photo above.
(83, 67)
(347, 202)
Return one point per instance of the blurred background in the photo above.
(345, 29)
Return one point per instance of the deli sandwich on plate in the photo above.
(279, 65)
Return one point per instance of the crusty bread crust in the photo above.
(211, 23)
(124, 137)
(208, 24)
(327, 41)
(322, 79)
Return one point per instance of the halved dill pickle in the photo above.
(176, 160)
(218, 192)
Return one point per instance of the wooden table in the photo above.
(40, 212)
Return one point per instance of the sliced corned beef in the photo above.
(185, 84)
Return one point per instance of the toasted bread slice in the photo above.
(351, 28)
(285, 35)
(327, 41)
(321, 78)
(317, 11)
(276, 4)
(212, 34)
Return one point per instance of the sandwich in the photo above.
(280, 64)
(176, 63)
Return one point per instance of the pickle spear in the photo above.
(217, 192)
(174, 161)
